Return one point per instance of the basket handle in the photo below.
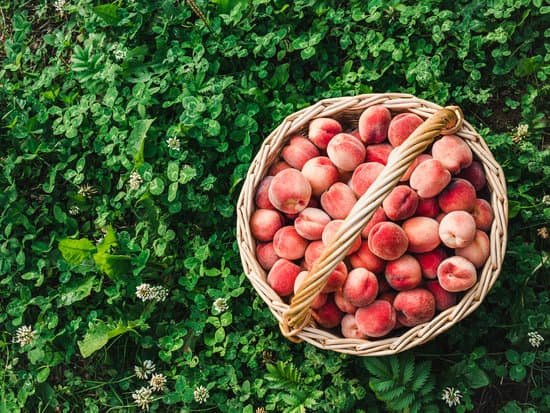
(445, 121)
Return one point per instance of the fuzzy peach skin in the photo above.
(322, 130)
(366, 259)
(264, 223)
(475, 175)
(278, 167)
(414, 307)
(443, 299)
(378, 153)
(336, 279)
(355, 133)
(311, 222)
(429, 261)
(331, 229)
(363, 177)
(319, 300)
(456, 274)
(290, 191)
(377, 319)
(282, 275)
(417, 161)
(361, 287)
(478, 251)
(427, 207)
(298, 151)
(328, 315)
(313, 251)
(401, 203)
(483, 214)
(338, 200)
(349, 327)
(459, 195)
(403, 273)
(378, 216)
(289, 244)
(423, 234)
(266, 255)
(453, 153)
(429, 178)
(320, 173)
(388, 241)
(262, 194)
(346, 151)
(343, 304)
(457, 229)
(374, 123)
(401, 126)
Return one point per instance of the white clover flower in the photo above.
(59, 5)
(158, 382)
(520, 133)
(201, 394)
(148, 292)
(135, 181)
(220, 305)
(451, 396)
(87, 190)
(147, 368)
(143, 397)
(25, 335)
(546, 199)
(119, 54)
(74, 210)
(173, 143)
(543, 233)
(535, 339)
(159, 293)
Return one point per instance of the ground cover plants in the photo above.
(126, 129)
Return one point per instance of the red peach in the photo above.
(378, 153)
(475, 175)
(332, 228)
(311, 222)
(266, 255)
(379, 216)
(429, 261)
(282, 275)
(298, 151)
(338, 200)
(459, 195)
(313, 251)
(377, 319)
(403, 273)
(349, 327)
(322, 130)
(429, 178)
(417, 161)
(388, 241)
(443, 299)
(457, 229)
(262, 194)
(374, 123)
(289, 244)
(345, 151)
(453, 153)
(401, 126)
(328, 315)
(361, 287)
(278, 167)
(414, 307)
(264, 223)
(336, 279)
(478, 251)
(343, 304)
(355, 133)
(290, 191)
(321, 174)
(401, 203)
(456, 274)
(422, 232)
(319, 300)
(427, 207)
(440, 216)
(366, 259)
(363, 177)
(483, 214)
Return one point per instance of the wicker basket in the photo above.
(294, 319)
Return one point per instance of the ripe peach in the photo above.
(332, 228)
(345, 151)
(453, 153)
(443, 299)
(278, 167)
(366, 259)
(478, 251)
(282, 275)
(378, 153)
(427, 207)
(417, 161)
(363, 177)
(266, 255)
(374, 123)
(379, 216)
(321, 131)
(320, 173)
(311, 222)
(338, 200)
(483, 214)
(401, 126)
(298, 151)
(403, 273)
(414, 307)
(355, 133)
(388, 241)
(262, 194)
(401, 203)
(349, 327)
(289, 244)
(328, 315)
(422, 232)
(456, 274)
(313, 251)
(319, 300)
(429, 178)
(336, 279)
(429, 261)
(361, 287)
(457, 229)
(290, 191)
(459, 195)
(377, 319)
(264, 223)
(343, 304)
(475, 175)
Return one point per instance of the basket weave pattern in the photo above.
(295, 319)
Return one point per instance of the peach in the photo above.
(443, 299)
(336, 279)
(388, 241)
(262, 194)
(453, 153)
(401, 203)
(345, 151)
(429, 261)
(282, 275)
(388, 296)
(379, 216)
(266, 255)
(366, 259)
(417, 161)
(378, 153)
(355, 133)
(322, 130)
(328, 315)
(422, 232)
(414, 307)
(456, 274)
(313, 251)
(320, 173)
(290, 191)
(459, 195)
(401, 126)
(457, 229)
(377, 319)
(361, 287)
(264, 223)
(440, 216)
(427, 207)
(403, 273)
(298, 151)
(338, 200)
(363, 177)
(319, 300)
(349, 327)
(332, 228)
(478, 251)
(278, 167)
(429, 178)
(475, 175)
(483, 214)
(311, 222)
(289, 244)
(374, 123)
(343, 304)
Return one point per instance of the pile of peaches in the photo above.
(419, 252)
